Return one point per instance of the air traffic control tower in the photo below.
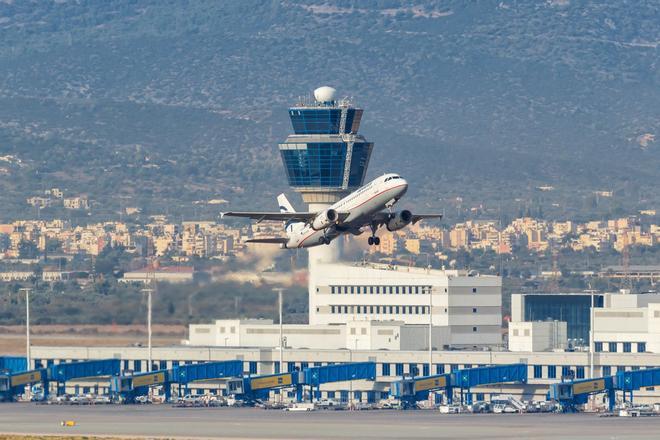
(325, 158)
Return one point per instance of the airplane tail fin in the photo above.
(285, 205)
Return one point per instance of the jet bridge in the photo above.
(468, 378)
(410, 390)
(13, 384)
(576, 392)
(187, 373)
(64, 372)
(127, 388)
(629, 381)
(317, 376)
(12, 364)
(258, 387)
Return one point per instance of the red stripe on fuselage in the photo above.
(370, 198)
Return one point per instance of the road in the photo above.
(248, 423)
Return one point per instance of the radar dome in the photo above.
(324, 94)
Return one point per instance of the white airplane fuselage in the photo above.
(375, 196)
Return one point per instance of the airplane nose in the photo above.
(404, 186)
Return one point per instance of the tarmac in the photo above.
(250, 423)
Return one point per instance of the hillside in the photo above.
(159, 104)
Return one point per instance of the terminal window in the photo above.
(627, 347)
(607, 370)
(612, 347)
(598, 346)
(386, 369)
(538, 371)
(579, 372)
(641, 347)
(440, 369)
(552, 372)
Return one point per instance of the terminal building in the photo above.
(572, 308)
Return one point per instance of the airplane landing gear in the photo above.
(373, 240)
(325, 239)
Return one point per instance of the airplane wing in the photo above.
(272, 216)
(418, 217)
(274, 240)
(280, 216)
(380, 218)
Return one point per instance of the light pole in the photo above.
(27, 326)
(148, 292)
(28, 356)
(591, 337)
(430, 331)
(279, 300)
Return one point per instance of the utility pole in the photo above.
(28, 356)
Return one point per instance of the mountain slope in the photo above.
(163, 103)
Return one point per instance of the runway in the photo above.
(249, 423)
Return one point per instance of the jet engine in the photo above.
(399, 220)
(325, 219)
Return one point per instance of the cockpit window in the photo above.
(387, 179)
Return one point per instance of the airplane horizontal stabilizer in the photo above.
(274, 240)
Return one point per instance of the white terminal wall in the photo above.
(535, 336)
(629, 324)
(470, 305)
(358, 335)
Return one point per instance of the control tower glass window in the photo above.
(315, 121)
(359, 161)
(318, 164)
(324, 120)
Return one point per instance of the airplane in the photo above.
(370, 205)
